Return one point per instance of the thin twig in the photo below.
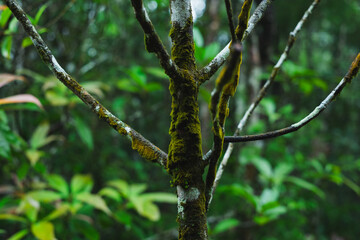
(229, 12)
(296, 126)
(153, 43)
(262, 92)
(146, 149)
(208, 71)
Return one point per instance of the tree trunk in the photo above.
(185, 162)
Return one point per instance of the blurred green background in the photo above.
(65, 173)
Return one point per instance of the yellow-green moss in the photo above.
(183, 48)
(243, 19)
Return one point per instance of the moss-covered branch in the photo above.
(153, 42)
(263, 90)
(208, 71)
(146, 149)
(225, 88)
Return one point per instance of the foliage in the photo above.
(65, 175)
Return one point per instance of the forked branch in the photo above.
(145, 148)
(208, 71)
(262, 92)
(153, 42)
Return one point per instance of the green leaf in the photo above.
(137, 74)
(43, 231)
(270, 109)
(160, 197)
(136, 189)
(198, 38)
(110, 193)
(120, 185)
(81, 183)
(146, 208)
(4, 17)
(225, 225)
(306, 185)
(19, 235)
(157, 72)
(39, 137)
(352, 185)
(126, 85)
(44, 195)
(29, 207)
(152, 87)
(280, 172)
(268, 196)
(33, 156)
(211, 51)
(13, 25)
(58, 212)
(12, 217)
(94, 200)
(84, 132)
(263, 166)
(26, 42)
(39, 13)
(6, 47)
(58, 183)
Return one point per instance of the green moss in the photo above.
(183, 47)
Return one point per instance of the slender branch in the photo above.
(145, 148)
(208, 71)
(262, 92)
(153, 42)
(218, 108)
(296, 126)
(229, 12)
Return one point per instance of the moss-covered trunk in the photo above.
(185, 162)
(185, 159)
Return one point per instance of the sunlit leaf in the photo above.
(43, 231)
(39, 137)
(21, 98)
(33, 155)
(44, 195)
(81, 183)
(198, 38)
(146, 208)
(58, 212)
(39, 13)
(19, 235)
(4, 17)
(157, 72)
(6, 47)
(93, 200)
(12, 217)
(225, 225)
(120, 185)
(26, 42)
(110, 193)
(58, 183)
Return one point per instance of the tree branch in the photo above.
(229, 12)
(145, 148)
(316, 112)
(208, 71)
(153, 42)
(262, 92)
